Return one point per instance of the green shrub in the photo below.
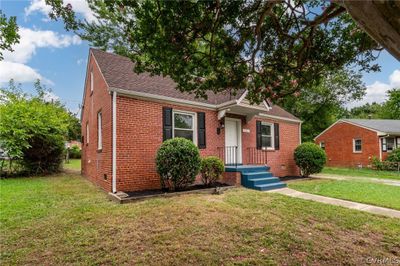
(33, 130)
(178, 163)
(74, 152)
(310, 158)
(211, 170)
(377, 163)
(394, 156)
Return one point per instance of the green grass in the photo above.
(74, 164)
(359, 191)
(64, 219)
(364, 172)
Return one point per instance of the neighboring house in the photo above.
(353, 142)
(72, 143)
(126, 117)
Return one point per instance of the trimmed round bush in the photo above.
(310, 158)
(178, 162)
(211, 170)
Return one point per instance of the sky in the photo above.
(57, 57)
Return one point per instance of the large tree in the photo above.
(271, 48)
(8, 33)
(321, 105)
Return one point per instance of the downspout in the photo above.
(114, 142)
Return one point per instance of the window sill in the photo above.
(357, 152)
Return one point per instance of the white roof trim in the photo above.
(145, 95)
(280, 118)
(354, 124)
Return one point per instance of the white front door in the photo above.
(233, 141)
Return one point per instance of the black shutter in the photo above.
(258, 135)
(167, 123)
(276, 135)
(201, 130)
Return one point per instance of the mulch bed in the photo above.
(145, 194)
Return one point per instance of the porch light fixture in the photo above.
(221, 125)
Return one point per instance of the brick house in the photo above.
(353, 142)
(126, 117)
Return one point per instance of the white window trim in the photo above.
(87, 133)
(91, 81)
(194, 128)
(272, 136)
(320, 145)
(384, 144)
(99, 131)
(354, 145)
(394, 144)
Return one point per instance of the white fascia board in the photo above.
(379, 133)
(149, 96)
(281, 118)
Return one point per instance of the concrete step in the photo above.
(262, 181)
(272, 186)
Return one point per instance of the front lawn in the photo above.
(64, 219)
(359, 191)
(363, 172)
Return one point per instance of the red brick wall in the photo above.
(96, 164)
(339, 145)
(281, 161)
(139, 135)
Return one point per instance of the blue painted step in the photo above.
(256, 177)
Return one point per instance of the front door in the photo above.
(233, 141)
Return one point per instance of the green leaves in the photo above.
(8, 33)
(32, 129)
(310, 158)
(273, 49)
(177, 163)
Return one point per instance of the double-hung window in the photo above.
(390, 144)
(99, 131)
(91, 81)
(322, 145)
(267, 135)
(87, 133)
(357, 145)
(184, 125)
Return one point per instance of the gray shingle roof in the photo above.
(118, 73)
(382, 125)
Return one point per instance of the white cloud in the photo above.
(377, 91)
(50, 96)
(33, 39)
(394, 79)
(79, 6)
(80, 61)
(19, 72)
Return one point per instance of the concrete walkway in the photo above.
(338, 202)
(390, 182)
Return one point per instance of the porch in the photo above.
(255, 174)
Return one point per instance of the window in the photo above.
(322, 145)
(267, 135)
(91, 81)
(183, 125)
(357, 145)
(390, 144)
(87, 133)
(99, 133)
